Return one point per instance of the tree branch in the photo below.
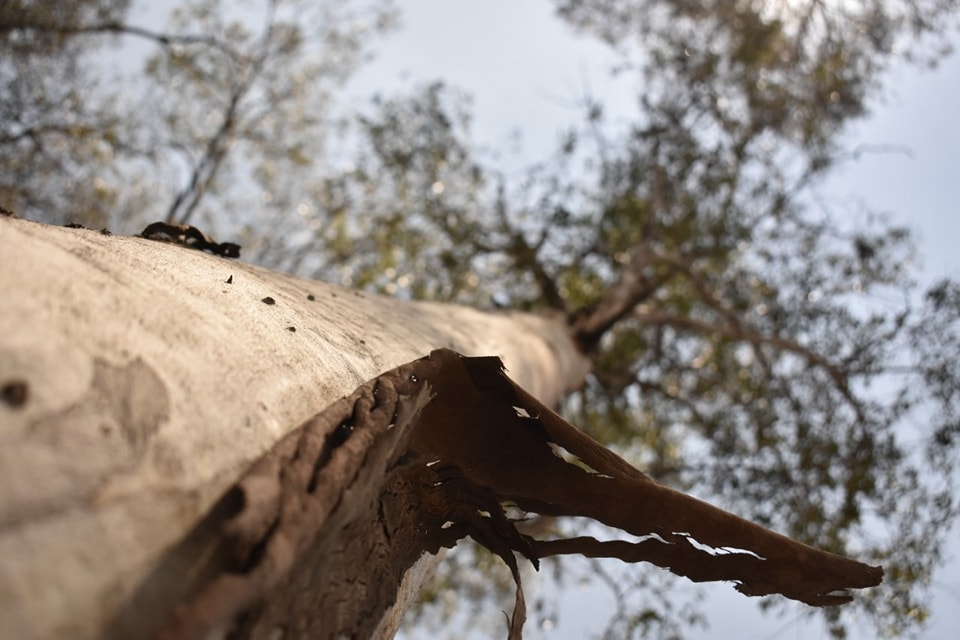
(737, 331)
(526, 257)
(206, 170)
(118, 28)
(633, 287)
(219, 144)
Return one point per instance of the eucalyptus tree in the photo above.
(741, 343)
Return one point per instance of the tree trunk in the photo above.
(181, 459)
(140, 381)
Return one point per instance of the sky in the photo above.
(526, 71)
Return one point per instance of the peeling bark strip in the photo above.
(313, 541)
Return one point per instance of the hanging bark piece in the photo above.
(315, 538)
(507, 441)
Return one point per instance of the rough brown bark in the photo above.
(313, 542)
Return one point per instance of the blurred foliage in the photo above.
(768, 355)
(55, 121)
(221, 117)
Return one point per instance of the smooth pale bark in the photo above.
(141, 379)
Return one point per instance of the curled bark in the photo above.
(327, 523)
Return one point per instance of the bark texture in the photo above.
(326, 524)
(141, 380)
(152, 483)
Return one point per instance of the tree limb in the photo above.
(118, 28)
(742, 333)
(525, 257)
(633, 286)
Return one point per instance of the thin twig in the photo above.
(119, 28)
(219, 144)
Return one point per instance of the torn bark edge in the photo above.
(318, 535)
(509, 448)
(223, 577)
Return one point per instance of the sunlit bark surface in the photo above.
(141, 379)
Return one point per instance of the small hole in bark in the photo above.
(292, 329)
(233, 501)
(311, 297)
(15, 393)
(268, 300)
(230, 279)
(341, 434)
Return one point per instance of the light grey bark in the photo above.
(141, 379)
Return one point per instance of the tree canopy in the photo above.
(743, 342)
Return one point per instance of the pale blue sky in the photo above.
(525, 70)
